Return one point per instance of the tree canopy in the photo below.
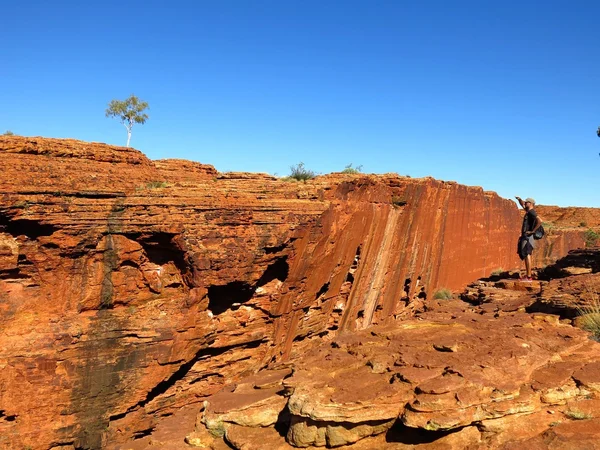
(129, 112)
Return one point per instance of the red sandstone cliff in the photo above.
(129, 288)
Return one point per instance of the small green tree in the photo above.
(129, 111)
(8, 133)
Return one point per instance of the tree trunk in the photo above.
(128, 137)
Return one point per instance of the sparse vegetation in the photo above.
(352, 170)
(301, 173)
(583, 224)
(577, 415)
(23, 204)
(591, 238)
(156, 184)
(129, 111)
(547, 226)
(497, 272)
(8, 133)
(590, 315)
(443, 294)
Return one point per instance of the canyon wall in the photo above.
(131, 287)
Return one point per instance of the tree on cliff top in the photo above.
(129, 111)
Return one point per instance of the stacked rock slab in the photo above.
(487, 372)
(130, 288)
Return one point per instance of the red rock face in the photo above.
(492, 374)
(130, 288)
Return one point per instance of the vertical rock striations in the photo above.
(130, 288)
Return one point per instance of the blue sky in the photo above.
(502, 95)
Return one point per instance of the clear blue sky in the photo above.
(502, 95)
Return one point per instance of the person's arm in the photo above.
(538, 223)
(520, 201)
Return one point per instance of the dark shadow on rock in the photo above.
(414, 436)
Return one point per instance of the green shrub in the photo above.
(352, 170)
(497, 272)
(583, 224)
(443, 294)
(8, 133)
(591, 238)
(301, 173)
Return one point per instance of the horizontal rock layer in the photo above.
(130, 288)
(494, 374)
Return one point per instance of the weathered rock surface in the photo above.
(488, 373)
(130, 288)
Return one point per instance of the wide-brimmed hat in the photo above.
(530, 200)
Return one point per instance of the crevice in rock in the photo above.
(323, 290)
(160, 249)
(142, 433)
(12, 274)
(565, 312)
(81, 250)
(283, 422)
(205, 376)
(7, 418)
(130, 264)
(180, 373)
(276, 270)
(62, 445)
(232, 295)
(407, 284)
(414, 436)
(33, 229)
(223, 298)
(95, 194)
(23, 261)
(276, 249)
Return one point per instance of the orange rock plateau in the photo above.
(162, 304)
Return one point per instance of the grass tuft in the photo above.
(156, 184)
(590, 314)
(443, 294)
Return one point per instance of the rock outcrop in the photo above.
(489, 371)
(130, 288)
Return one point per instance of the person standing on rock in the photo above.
(531, 222)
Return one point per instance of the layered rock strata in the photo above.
(492, 372)
(130, 288)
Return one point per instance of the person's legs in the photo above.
(528, 266)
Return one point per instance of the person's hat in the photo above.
(530, 200)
